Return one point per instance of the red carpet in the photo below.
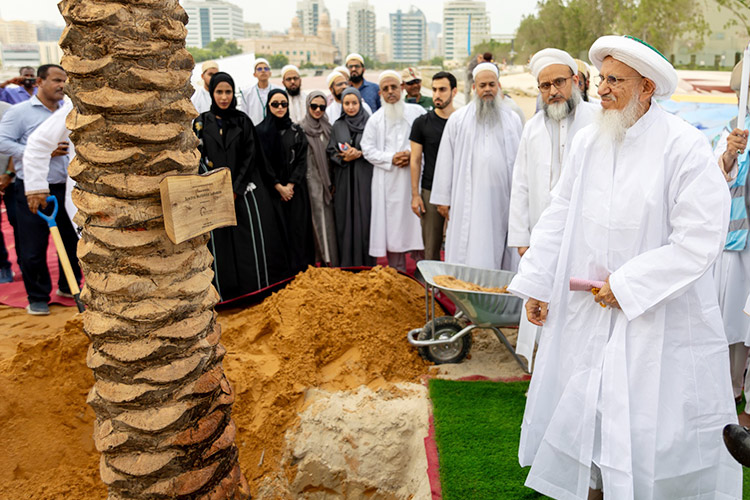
(14, 294)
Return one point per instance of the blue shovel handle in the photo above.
(50, 219)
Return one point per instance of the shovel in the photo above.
(61, 253)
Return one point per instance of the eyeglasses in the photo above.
(354, 66)
(279, 104)
(413, 82)
(614, 81)
(262, 68)
(291, 79)
(557, 82)
(316, 107)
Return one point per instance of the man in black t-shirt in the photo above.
(426, 133)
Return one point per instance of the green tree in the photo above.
(277, 61)
(215, 50)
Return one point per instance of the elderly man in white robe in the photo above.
(629, 400)
(254, 98)
(394, 231)
(545, 142)
(473, 174)
(292, 82)
(732, 271)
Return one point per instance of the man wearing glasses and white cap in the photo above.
(629, 399)
(370, 92)
(254, 98)
(292, 82)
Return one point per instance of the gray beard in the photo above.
(488, 112)
(615, 123)
(559, 110)
(394, 112)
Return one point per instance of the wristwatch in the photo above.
(10, 173)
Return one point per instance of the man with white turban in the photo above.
(545, 142)
(631, 388)
(394, 231)
(292, 82)
(473, 173)
(732, 271)
(355, 64)
(254, 98)
(337, 82)
(201, 99)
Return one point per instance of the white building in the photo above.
(383, 45)
(409, 35)
(360, 22)
(308, 13)
(15, 32)
(212, 19)
(465, 24)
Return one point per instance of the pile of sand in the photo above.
(329, 329)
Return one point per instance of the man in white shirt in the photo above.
(337, 82)
(394, 231)
(292, 82)
(201, 99)
(254, 98)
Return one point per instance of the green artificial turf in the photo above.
(477, 428)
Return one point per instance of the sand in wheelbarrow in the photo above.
(318, 361)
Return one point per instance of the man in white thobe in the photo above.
(201, 99)
(629, 400)
(473, 176)
(732, 270)
(545, 141)
(292, 82)
(254, 98)
(394, 231)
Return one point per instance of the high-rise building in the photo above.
(48, 32)
(434, 45)
(383, 45)
(212, 19)
(360, 21)
(465, 25)
(308, 13)
(15, 32)
(409, 35)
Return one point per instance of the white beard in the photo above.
(559, 110)
(488, 112)
(615, 123)
(394, 112)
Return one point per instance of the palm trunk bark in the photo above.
(162, 402)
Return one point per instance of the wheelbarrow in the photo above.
(447, 339)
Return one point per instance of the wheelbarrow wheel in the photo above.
(445, 328)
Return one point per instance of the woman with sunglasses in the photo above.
(352, 177)
(252, 254)
(318, 131)
(285, 146)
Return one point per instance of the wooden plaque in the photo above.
(196, 204)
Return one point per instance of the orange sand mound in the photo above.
(329, 328)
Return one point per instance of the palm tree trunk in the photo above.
(163, 405)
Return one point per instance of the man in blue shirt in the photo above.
(26, 87)
(16, 126)
(369, 91)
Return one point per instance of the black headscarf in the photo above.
(357, 122)
(232, 110)
(270, 130)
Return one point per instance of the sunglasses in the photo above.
(262, 68)
(279, 104)
(316, 107)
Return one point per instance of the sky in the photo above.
(505, 16)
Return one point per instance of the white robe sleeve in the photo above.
(442, 180)
(39, 146)
(699, 217)
(519, 224)
(536, 272)
(379, 158)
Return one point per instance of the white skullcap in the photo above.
(548, 57)
(261, 60)
(640, 56)
(343, 70)
(485, 66)
(389, 73)
(356, 56)
(332, 76)
(288, 68)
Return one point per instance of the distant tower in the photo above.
(324, 28)
(295, 31)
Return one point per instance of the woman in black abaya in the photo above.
(285, 145)
(251, 255)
